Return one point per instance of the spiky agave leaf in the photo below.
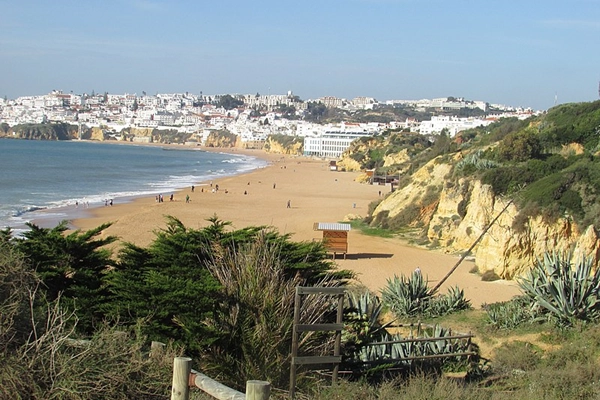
(407, 296)
(568, 291)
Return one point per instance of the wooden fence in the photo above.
(184, 378)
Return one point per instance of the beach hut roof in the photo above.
(331, 226)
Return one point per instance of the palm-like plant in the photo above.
(567, 291)
(256, 314)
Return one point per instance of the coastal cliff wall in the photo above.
(61, 131)
(289, 146)
(452, 215)
(222, 139)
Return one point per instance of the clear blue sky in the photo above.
(519, 53)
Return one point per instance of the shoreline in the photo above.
(49, 216)
(316, 194)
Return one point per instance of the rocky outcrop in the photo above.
(141, 133)
(221, 139)
(54, 131)
(348, 164)
(96, 134)
(276, 147)
(463, 210)
(396, 158)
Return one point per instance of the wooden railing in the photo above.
(184, 378)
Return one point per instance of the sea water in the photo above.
(50, 181)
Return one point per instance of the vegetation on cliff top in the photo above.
(551, 160)
(55, 131)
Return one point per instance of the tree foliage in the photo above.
(229, 102)
(71, 265)
(169, 285)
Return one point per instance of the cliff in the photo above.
(60, 131)
(452, 214)
(222, 139)
(545, 169)
(284, 144)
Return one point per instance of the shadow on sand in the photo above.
(359, 256)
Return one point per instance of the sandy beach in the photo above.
(315, 194)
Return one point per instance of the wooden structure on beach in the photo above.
(335, 236)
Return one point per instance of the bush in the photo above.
(256, 314)
(510, 314)
(521, 356)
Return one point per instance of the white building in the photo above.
(452, 125)
(330, 144)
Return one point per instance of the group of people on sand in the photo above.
(215, 189)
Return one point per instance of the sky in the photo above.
(525, 53)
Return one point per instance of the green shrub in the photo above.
(255, 314)
(510, 314)
(521, 356)
(409, 215)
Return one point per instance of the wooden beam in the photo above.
(320, 290)
(216, 389)
(319, 327)
(316, 360)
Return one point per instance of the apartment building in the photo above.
(331, 144)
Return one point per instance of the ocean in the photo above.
(48, 181)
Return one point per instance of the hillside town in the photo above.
(251, 117)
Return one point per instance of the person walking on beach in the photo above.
(289, 204)
(193, 188)
(187, 198)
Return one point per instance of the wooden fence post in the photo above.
(182, 366)
(258, 390)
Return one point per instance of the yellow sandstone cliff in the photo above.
(459, 213)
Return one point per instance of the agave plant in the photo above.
(411, 296)
(567, 291)
(363, 307)
(407, 296)
(476, 159)
(448, 303)
(362, 322)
